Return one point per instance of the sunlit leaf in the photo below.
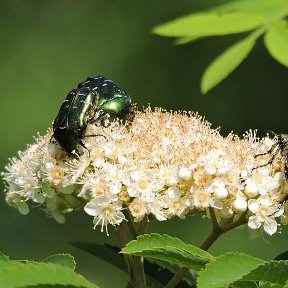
(209, 24)
(276, 41)
(226, 269)
(224, 64)
(266, 8)
(185, 40)
(22, 274)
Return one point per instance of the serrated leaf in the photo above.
(18, 274)
(226, 269)
(274, 272)
(266, 8)
(210, 24)
(65, 260)
(276, 41)
(167, 248)
(224, 64)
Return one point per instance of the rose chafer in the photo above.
(93, 100)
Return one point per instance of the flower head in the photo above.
(161, 165)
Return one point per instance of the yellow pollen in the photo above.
(106, 211)
(143, 184)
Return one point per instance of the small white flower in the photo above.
(240, 204)
(203, 199)
(143, 184)
(138, 209)
(93, 185)
(105, 212)
(218, 188)
(265, 212)
(184, 174)
(221, 192)
(176, 204)
(77, 167)
(168, 174)
(53, 173)
(114, 177)
(215, 161)
(264, 182)
(157, 208)
(23, 208)
(251, 188)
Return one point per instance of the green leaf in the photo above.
(266, 8)
(227, 269)
(167, 248)
(210, 24)
(276, 41)
(18, 274)
(65, 260)
(274, 272)
(185, 40)
(224, 64)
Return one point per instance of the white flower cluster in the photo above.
(162, 165)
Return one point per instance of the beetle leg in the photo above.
(268, 152)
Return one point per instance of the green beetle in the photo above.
(83, 105)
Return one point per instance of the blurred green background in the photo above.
(48, 46)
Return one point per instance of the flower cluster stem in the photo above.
(218, 230)
(128, 258)
(135, 263)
